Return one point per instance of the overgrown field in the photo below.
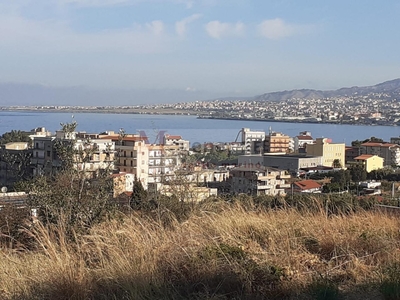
(223, 251)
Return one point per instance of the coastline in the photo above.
(175, 112)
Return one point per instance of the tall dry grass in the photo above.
(232, 254)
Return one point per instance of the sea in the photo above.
(189, 127)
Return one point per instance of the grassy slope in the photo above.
(230, 254)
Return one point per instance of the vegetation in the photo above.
(14, 136)
(327, 246)
(223, 251)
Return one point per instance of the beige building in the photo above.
(370, 162)
(276, 142)
(259, 181)
(328, 150)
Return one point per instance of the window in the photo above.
(48, 153)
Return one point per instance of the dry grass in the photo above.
(233, 254)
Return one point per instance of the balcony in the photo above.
(264, 187)
(284, 186)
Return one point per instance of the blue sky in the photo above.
(208, 48)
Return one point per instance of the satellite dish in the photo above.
(4, 189)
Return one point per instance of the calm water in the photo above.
(190, 128)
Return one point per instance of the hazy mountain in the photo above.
(32, 95)
(392, 86)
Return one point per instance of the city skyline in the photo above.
(138, 51)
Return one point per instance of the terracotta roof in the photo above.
(173, 137)
(307, 184)
(373, 144)
(363, 157)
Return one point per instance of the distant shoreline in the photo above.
(292, 121)
(175, 112)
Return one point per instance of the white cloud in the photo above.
(181, 26)
(217, 29)
(156, 27)
(275, 29)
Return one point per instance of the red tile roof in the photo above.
(373, 144)
(307, 184)
(173, 137)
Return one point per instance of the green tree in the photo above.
(139, 197)
(69, 197)
(358, 173)
(14, 136)
(336, 164)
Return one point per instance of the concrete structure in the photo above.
(388, 151)
(258, 181)
(249, 137)
(301, 141)
(176, 140)
(291, 162)
(351, 153)
(370, 162)
(276, 142)
(328, 150)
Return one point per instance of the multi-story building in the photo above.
(301, 140)
(290, 162)
(176, 140)
(276, 142)
(44, 160)
(250, 139)
(88, 155)
(329, 151)
(388, 151)
(258, 181)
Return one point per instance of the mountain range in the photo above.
(391, 87)
(35, 95)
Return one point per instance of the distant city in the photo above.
(376, 105)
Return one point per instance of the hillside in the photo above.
(391, 87)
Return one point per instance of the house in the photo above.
(306, 186)
(370, 162)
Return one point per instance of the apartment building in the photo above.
(276, 142)
(388, 151)
(89, 155)
(328, 150)
(258, 181)
(176, 140)
(252, 140)
(300, 141)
